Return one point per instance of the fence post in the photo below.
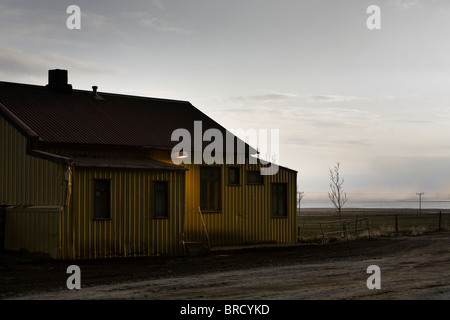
(440, 219)
(396, 223)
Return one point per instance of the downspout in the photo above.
(70, 210)
(66, 196)
(68, 186)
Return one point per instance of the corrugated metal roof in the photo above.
(78, 117)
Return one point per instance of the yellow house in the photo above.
(90, 175)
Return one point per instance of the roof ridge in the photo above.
(37, 86)
(77, 118)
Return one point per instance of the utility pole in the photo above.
(420, 200)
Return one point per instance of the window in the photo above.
(234, 176)
(102, 200)
(254, 177)
(161, 199)
(279, 200)
(210, 194)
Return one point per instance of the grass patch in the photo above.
(382, 223)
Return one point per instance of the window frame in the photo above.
(107, 216)
(275, 197)
(261, 178)
(157, 215)
(238, 175)
(210, 179)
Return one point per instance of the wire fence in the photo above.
(381, 222)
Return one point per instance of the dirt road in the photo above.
(411, 268)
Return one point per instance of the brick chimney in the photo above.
(57, 80)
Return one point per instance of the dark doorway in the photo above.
(2, 226)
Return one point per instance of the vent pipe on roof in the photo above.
(57, 80)
(95, 93)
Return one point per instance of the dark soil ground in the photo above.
(405, 261)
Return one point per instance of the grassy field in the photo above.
(381, 222)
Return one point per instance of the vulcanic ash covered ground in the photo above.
(411, 268)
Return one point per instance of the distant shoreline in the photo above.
(307, 211)
(403, 205)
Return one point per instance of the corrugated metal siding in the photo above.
(132, 230)
(35, 230)
(28, 182)
(25, 179)
(246, 209)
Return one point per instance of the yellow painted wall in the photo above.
(246, 210)
(30, 181)
(27, 180)
(35, 189)
(34, 229)
(132, 231)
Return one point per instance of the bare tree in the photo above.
(300, 195)
(337, 195)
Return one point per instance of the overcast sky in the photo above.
(377, 101)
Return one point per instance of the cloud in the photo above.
(333, 116)
(163, 26)
(46, 27)
(159, 4)
(98, 21)
(157, 24)
(420, 173)
(263, 98)
(15, 61)
(326, 128)
(406, 4)
(28, 21)
(288, 111)
(388, 97)
(271, 97)
(326, 141)
(442, 115)
(18, 63)
(334, 98)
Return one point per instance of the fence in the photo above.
(311, 224)
(344, 228)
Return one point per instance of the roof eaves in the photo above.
(50, 156)
(17, 122)
(125, 163)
